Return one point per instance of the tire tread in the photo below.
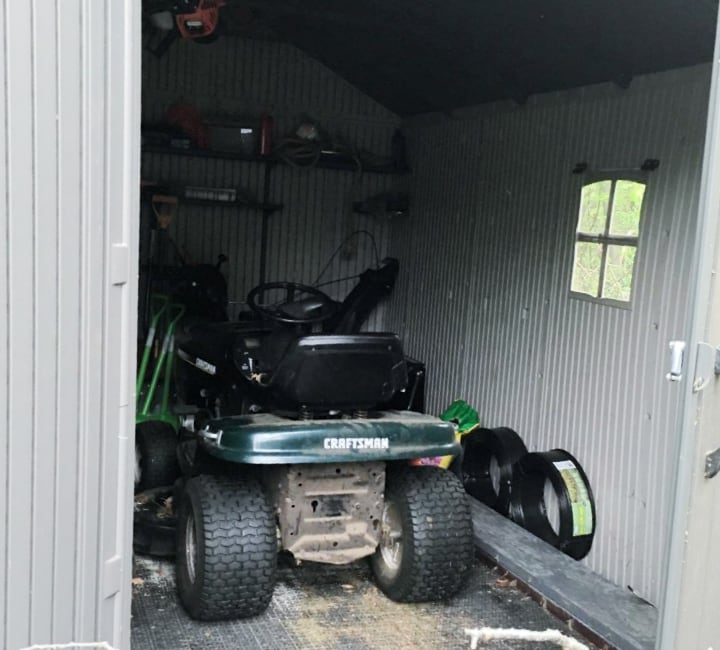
(240, 550)
(157, 442)
(438, 526)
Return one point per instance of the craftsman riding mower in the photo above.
(293, 448)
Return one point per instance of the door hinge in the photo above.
(712, 463)
(119, 264)
(112, 576)
(711, 353)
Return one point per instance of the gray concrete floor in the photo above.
(317, 607)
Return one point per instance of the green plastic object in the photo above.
(462, 414)
(160, 306)
(265, 439)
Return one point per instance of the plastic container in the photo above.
(234, 138)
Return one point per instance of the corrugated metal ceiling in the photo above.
(436, 55)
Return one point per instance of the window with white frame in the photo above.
(606, 239)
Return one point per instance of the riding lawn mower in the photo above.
(293, 436)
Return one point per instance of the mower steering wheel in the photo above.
(279, 312)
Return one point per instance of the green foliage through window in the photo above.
(607, 238)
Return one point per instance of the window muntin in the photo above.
(606, 239)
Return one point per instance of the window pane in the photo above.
(617, 283)
(627, 203)
(586, 268)
(594, 208)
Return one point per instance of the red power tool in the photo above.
(196, 20)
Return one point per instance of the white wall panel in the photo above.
(69, 116)
(486, 303)
(243, 78)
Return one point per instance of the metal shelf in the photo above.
(328, 160)
(250, 205)
(205, 153)
(211, 203)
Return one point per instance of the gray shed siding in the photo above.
(253, 77)
(485, 296)
(692, 577)
(69, 110)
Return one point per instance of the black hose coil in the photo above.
(488, 458)
(576, 518)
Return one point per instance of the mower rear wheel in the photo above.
(155, 455)
(426, 539)
(226, 548)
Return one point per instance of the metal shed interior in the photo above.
(498, 103)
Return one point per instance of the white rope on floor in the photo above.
(486, 634)
(99, 645)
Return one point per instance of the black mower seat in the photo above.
(354, 371)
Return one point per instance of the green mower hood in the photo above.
(266, 439)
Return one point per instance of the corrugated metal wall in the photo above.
(485, 294)
(69, 116)
(240, 78)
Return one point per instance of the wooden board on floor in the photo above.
(614, 614)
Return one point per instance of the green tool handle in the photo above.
(158, 305)
(176, 312)
(167, 354)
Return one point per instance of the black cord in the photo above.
(367, 233)
(298, 152)
(327, 282)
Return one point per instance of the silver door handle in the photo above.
(677, 360)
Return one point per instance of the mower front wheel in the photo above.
(226, 548)
(426, 539)
(155, 455)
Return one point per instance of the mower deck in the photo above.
(322, 607)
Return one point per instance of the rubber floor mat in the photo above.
(321, 607)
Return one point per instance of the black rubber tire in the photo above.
(437, 536)
(155, 443)
(186, 452)
(236, 548)
(528, 509)
(480, 447)
(154, 523)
